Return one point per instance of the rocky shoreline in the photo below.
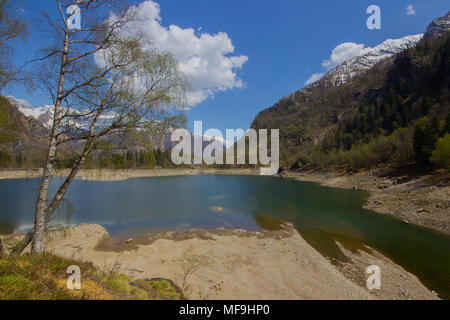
(423, 200)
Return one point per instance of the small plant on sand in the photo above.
(115, 268)
(189, 263)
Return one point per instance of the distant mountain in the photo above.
(367, 59)
(44, 114)
(132, 142)
(20, 134)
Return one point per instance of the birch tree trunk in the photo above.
(41, 203)
(49, 210)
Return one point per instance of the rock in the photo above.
(403, 293)
(129, 241)
(438, 27)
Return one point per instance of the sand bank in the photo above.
(237, 264)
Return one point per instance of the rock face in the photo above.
(368, 58)
(438, 26)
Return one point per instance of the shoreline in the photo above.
(237, 264)
(420, 200)
(120, 175)
(423, 200)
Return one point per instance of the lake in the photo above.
(322, 215)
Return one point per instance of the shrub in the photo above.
(441, 154)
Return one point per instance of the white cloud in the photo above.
(314, 78)
(206, 59)
(410, 11)
(341, 53)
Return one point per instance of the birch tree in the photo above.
(94, 71)
(12, 27)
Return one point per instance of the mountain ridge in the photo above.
(324, 124)
(355, 66)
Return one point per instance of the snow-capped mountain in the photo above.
(44, 114)
(368, 58)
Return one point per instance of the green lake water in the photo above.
(321, 215)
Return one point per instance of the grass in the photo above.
(43, 277)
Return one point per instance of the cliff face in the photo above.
(438, 26)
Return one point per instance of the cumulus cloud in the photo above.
(341, 53)
(410, 11)
(206, 59)
(314, 78)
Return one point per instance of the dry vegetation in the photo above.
(43, 277)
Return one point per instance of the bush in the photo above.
(441, 154)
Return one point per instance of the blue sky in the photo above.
(285, 42)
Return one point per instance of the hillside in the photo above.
(22, 139)
(24, 130)
(393, 113)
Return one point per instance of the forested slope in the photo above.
(393, 114)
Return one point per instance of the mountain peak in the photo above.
(367, 59)
(438, 26)
(44, 114)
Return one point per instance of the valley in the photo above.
(105, 174)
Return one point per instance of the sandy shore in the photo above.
(237, 264)
(117, 175)
(421, 200)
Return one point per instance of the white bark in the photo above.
(41, 203)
